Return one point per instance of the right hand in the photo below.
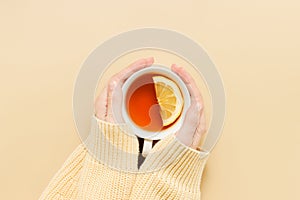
(194, 125)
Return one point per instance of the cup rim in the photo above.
(167, 72)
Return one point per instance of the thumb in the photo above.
(101, 105)
(201, 129)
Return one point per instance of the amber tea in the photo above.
(144, 106)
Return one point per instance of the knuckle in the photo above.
(112, 85)
(202, 128)
(198, 106)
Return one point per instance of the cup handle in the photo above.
(147, 147)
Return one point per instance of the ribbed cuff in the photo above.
(113, 145)
(170, 151)
(171, 171)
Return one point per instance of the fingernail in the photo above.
(174, 66)
(149, 60)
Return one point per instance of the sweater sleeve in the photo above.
(107, 146)
(64, 184)
(171, 171)
(112, 153)
(113, 145)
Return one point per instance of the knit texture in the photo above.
(105, 166)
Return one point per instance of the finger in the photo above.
(101, 104)
(116, 82)
(111, 93)
(196, 96)
(195, 116)
(114, 106)
(187, 130)
(122, 76)
(201, 129)
(182, 73)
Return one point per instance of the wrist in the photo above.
(112, 144)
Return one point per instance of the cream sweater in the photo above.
(105, 167)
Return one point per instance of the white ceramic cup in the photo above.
(149, 136)
(166, 72)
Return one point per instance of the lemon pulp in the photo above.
(169, 99)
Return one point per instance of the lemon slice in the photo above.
(169, 99)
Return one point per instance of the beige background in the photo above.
(255, 45)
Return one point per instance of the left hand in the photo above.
(108, 104)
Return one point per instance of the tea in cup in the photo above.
(155, 101)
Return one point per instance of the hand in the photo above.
(194, 124)
(108, 104)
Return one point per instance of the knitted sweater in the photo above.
(105, 166)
